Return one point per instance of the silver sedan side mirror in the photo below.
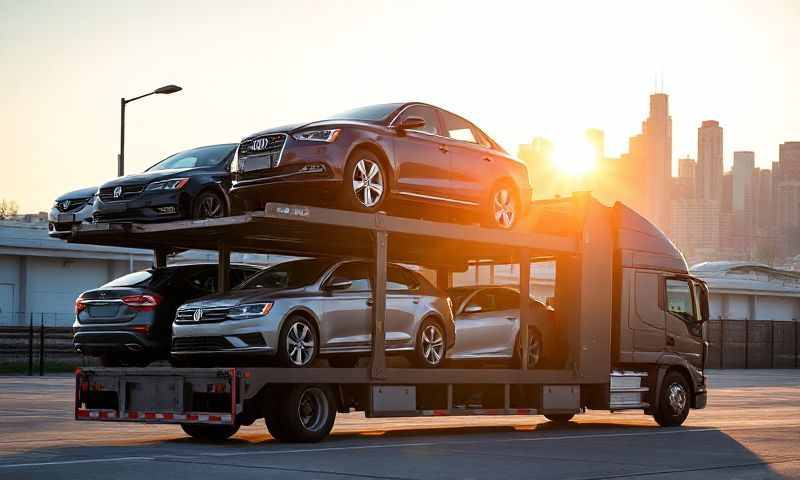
(473, 308)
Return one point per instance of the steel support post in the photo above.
(444, 279)
(525, 312)
(160, 257)
(378, 364)
(223, 267)
(41, 346)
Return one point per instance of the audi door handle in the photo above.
(443, 148)
(671, 341)
(370, 302)
(487, 159)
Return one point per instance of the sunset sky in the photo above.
(517, 69)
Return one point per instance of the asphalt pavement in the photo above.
(751, 429)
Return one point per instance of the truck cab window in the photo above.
(680, 300)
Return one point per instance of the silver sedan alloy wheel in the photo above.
(300, 344)
(534, 349)
(368, 183)
(312, 410)
(432, 344)
(677, 397)
(504, 207)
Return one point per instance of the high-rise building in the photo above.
(708, 178)
(696, 228)
(744, 164)
(786, 186)
(596, 139)
(686, 168)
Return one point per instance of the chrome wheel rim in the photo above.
(432, 345)
(368, 182)
(534, 349)
(677, 398)
(300, 344)
(504, 208)
(210, 207)
(312, 409)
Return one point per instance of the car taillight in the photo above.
(79, 305)
(142, 302)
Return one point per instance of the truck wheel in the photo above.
(209, 433)
(560, 418)
(301, 413)
(673, 406)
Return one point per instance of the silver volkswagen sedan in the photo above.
(487, 324)
(301, 309)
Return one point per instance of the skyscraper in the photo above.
(657, 131)
(708, 179)
(744, 164)
(686, 168)
(786, 184)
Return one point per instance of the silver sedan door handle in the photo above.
(511, 318)
(370, 302)
(416, 300)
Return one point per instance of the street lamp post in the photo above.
(165, 90)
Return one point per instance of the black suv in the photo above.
(188, 185)
(128, 321)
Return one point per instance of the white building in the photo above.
(40, 277)
(750, 291)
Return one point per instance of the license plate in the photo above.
(65, 218)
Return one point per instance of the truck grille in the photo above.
(261, 152)
(128, 192)
(200, 344)
(208, 315)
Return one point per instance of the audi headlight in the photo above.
(318, 135)
(172, 184)
(251, 310)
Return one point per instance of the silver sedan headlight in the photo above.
(251, 310)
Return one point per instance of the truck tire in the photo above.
(210, 433)
(674, 404)
(560, 418)
(301, 413)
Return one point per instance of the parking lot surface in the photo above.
(751, 429)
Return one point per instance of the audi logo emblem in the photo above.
(259, 144)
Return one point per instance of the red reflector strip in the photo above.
(154, 417)
(217, 418)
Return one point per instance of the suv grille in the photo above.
(128, 191)
(262, 152)
(211, 314)
(200, 344)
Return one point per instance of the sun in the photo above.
(574, 156)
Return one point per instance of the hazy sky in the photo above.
(518, 69)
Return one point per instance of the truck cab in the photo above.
(661, 310)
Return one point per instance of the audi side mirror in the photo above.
(473, 309)
(339, 284)
(411, 123)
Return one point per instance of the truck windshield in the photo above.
(196, 157)
(293, 274)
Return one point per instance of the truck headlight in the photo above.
(251, 310)
(318, 135)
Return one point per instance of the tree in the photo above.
(8, 208)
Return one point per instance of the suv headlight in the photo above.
(251, 310)
(318, 135)
(172, 184)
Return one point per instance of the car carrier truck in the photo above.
(629, 323)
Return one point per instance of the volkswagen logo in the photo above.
(118, 191)
(259, 144)
(65, 205)
(198, 315)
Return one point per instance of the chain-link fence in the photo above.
(753, 344)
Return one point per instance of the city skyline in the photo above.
(582, 64)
